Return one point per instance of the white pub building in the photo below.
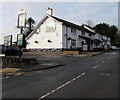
(55, 33)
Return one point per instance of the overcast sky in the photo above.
(76, 12)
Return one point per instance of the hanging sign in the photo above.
(8, 40)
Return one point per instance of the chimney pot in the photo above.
(49, 11)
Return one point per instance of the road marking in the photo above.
(114, 53)
(105, 74)
(9, 76)
(2, 55)
(97, 65)
(9, 73)
(17, 74)
(60, 86)
(6, 77)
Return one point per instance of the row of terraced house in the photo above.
(57, 34)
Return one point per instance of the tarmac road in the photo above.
(92, 77)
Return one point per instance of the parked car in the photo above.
(10, 51)
(118, 48)
(1, 49)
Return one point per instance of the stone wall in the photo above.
(14, 61)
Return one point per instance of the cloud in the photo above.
(97, 12)
(0, 22)
(60, 1)
(76, 12)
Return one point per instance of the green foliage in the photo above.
(30, 23)
(106, 29)
(102, 28)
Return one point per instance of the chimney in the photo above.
(50, 11)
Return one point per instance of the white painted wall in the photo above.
(68, 34)
(104, 37)
(42, 37)
(108, 41)
(97, 36)
(59, 37)
(64, 37)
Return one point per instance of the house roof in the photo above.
(89, 29)
(92, 29)
(68, 23)
(89, 26)
(36, 27)
(58, 19)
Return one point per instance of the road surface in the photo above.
(92, 77)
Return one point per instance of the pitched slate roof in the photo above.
(74, 25)
(68, 23)
(60, 20)
(89, 29)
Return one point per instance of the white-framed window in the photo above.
(73, 42)
(73, 30)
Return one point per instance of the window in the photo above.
(90, 34)
(73, 43)
(36, 42)
(83, 33)
(49, 41)
(73, 30)
(83, 43)
(50, 27)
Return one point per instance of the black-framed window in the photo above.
(83, 33)
(73, 30)
(90, 34)
(73, 42)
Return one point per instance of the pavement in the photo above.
(46, 61)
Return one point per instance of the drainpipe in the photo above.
(66, 38)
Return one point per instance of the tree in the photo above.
(102, 28)
(30, 23)
(106, 29)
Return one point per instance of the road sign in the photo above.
(20, 40)
(8, 40)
